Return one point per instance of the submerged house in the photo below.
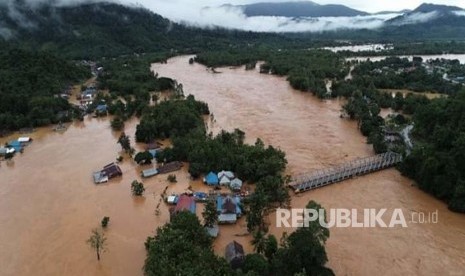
(236, 184)
(170, 167)
(211, 179)
(109, 171)
(235, 255)
(5, 151)
(184, 203)
(228, 209)
(16, 145)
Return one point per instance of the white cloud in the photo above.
(417, 18)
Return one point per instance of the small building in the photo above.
(200, 196)
(109, 171)
(211, 179)
(153, 146)
(213, 231)
(170, 167)
(185, 203)
(149, 172)
(5, 151)
(24, 140)
(172, 199)
(235, 255)
(236, 184)
(228, 174)
(155, 152)
(228, 209)
(225, 181)
(16, 145)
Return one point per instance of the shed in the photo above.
(235, 254)
(211, 179)
(236, 184)
(149, 172)
(185, 203)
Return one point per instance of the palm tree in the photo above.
(97, 241)
(259, 241)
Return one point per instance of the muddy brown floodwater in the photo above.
(49, 204)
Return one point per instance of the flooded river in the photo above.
(49, 204)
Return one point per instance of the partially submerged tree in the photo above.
(97, 241)
(137, 188)
(105, 221)
(143, 158)
(125, 142)
(210, 215)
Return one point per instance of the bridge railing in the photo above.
(360, 166)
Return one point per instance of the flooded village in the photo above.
(49, 201)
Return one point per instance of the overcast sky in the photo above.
(191, 12)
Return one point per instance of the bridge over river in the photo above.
(320, 178)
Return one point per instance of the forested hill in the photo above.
(107, 29)
(29, 83)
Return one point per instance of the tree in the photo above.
(256, 212)
(259, 241)
(117, 123)
(210, 215)
(105, 221)
(143, 157)
(256, 263)
(271, 246)
(125, 142)
(172, 178)
(183, 247)
(137, 188)
(97, 241)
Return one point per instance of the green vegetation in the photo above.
(437, 162)
(400, 73)
(143, 158)
(97, 242)
(172, 178)
(137, 188)
(183, 247)
(171, 118)
(105, 222)
(125, 142)
(31, 85)
(210, 215)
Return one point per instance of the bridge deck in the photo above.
(324, 177)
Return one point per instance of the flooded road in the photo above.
(49, 204)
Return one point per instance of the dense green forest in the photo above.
(183, 247)
(31, 85)
(437, 162)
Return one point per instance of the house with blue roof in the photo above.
(228, 208)
(16, 145)
(101, 108)
(211, 179)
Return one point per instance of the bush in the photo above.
(105, 222)
(172, 178)
(137, 188)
